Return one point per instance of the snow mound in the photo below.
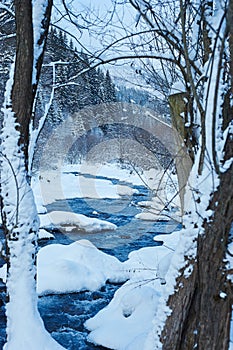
(40, 208)
(169, 240)
(44, 234)
(76, 267)
(128, 319)
(129, 316)
(69, 221)
(126, 191)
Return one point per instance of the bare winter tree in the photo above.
(191, 37)
(25, 329)
(194, 38)
(196, 311)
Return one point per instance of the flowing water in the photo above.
(64, 314)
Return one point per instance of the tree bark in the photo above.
(22, 92)
(202, 303)
(201, 313)
(180, 110)
(20, 219)
(24, 89)
(230, 29)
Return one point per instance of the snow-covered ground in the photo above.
(68, 222)
(51, 185)
(126, 322)
(94, 181)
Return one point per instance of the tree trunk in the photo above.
(184, 153)
(201, 309)
(202, 303)
(22, 97)
(25, 329)
(230, 29)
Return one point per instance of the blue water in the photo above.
(64, 315)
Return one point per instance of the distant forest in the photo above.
(62, 62)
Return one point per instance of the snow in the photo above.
(75, 267)
(128, 319)
(95, 182)
(51, 186)
(230, 259)
(18, 206)
(3, 272)
(44, 234)
(69, 221)
(151, 216)
(125, 322)
(223, 295)
(81, 266)
(34, 132)
(135, 316)
(108, 170)
(38, 11)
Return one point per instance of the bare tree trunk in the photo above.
(230, 28)
(22, 96)
(24, 89)
(179, 110)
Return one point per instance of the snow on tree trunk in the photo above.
(195, 310)
(201, 305)
(25, 328)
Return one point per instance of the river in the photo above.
(65, 314)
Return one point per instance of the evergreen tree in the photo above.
(71, 45)
(109, 89)
(89, 88)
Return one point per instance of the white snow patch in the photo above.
(75, 267)
(223, 295)
(125, 322)
(69, 221)
(44, 234)
(52, 186)
(128, 319)
(3, 272)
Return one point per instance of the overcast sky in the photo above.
(102, 21)
(96, 24)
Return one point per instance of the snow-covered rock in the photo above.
(128, 319)
(44, 234)
(75, 267)
(68, 221)
(150, 216)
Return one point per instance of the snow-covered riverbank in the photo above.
(127, 320)
(82, 266)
